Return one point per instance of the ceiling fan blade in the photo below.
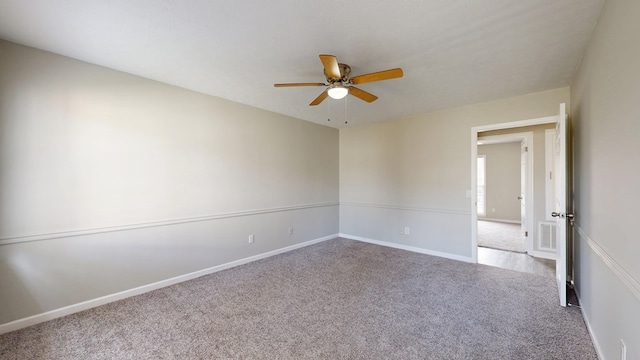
(319, 99)
(359, 93)
(377, 76)
(331, 67)
(299, 84)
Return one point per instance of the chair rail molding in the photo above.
(81, 232)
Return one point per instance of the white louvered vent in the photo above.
(547, 236)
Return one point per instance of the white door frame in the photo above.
(474, 171)
(525, 138)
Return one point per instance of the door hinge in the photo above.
(526, 234)
(526, 149)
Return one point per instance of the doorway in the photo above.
(505, 191)
(524, 139)
(560, 254)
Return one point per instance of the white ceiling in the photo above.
(453, 53)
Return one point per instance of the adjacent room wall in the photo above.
(606, 130)
(502, 180)
(415, 172)
(110, 182)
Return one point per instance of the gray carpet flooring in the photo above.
(501, 236)
(339, 299)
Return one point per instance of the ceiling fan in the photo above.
(339, 84)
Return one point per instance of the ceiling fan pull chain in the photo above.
(345, 109)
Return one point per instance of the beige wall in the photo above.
(606, 131)
(125, 181)
(415, 172)
(502, 180)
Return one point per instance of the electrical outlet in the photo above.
(623, 350)
(406, 230)
(251, 238)
(290, 231)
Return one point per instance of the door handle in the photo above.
(557, 214)
(519, 197)
(569, 216)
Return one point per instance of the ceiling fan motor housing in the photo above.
(345, 71)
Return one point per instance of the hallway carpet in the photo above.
(501, 236)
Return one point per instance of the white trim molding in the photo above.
(406, 208)
(519, 123)
(627, 279)
(408, 248)
(71, 309)
(81, 232)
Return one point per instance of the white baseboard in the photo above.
(408, 248)
(85, 305)
(589, 329)
(500, 220)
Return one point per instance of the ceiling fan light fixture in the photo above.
(337, 92)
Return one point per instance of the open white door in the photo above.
(560, 198)
(523, 196)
